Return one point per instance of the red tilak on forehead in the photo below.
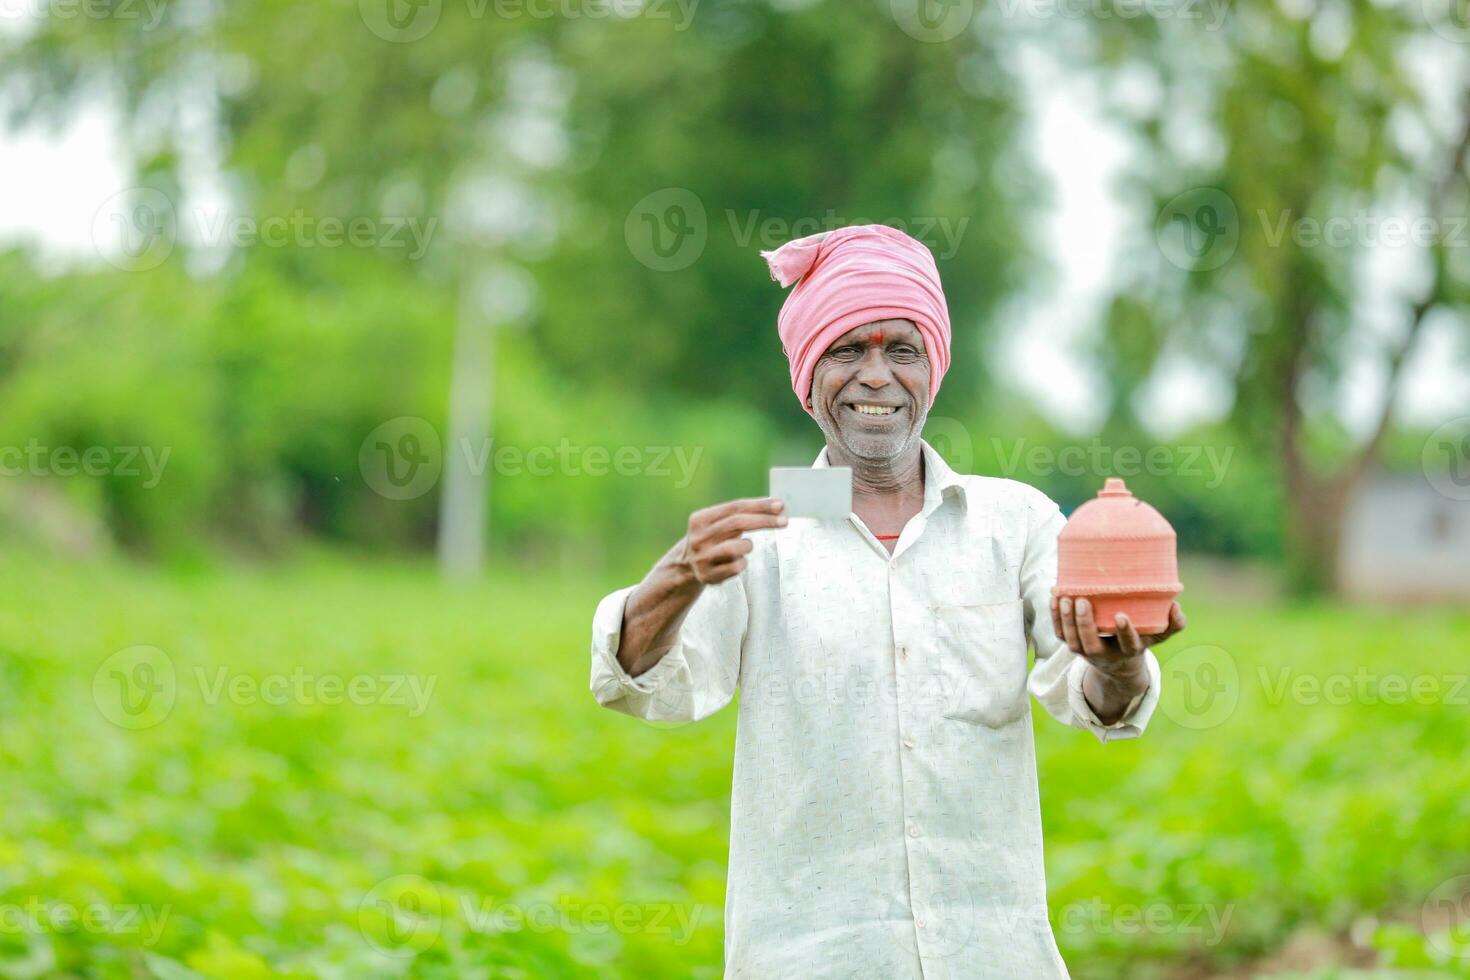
(875, 336)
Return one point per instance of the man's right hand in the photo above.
(713, 551)
(715, 548)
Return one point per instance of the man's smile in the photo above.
(873, 408)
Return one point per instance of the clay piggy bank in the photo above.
(1120, 554)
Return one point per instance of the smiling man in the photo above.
(885, 819)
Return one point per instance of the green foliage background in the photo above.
(264, 838)
(275, 836)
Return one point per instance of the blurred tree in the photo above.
(566, 157)
(1298, 137)
(690, 153)
(609, 182)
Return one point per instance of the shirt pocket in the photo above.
(981, 659)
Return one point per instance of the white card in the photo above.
(824, 493)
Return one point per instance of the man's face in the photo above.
(870, 390)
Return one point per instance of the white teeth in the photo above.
(876, 409)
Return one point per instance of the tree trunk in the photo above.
(465, 496)
(1314, 538)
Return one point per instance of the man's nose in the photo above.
(873, 371)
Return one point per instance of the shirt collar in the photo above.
(939, 480)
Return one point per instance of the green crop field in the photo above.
(348, 770)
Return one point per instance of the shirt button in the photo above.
(913, 830)
(908, 741)
(919, 922)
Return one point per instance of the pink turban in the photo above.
(850, 277)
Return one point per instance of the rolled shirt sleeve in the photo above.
(696, 678)
(1056, 678)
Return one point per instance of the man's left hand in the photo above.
(1074, 625)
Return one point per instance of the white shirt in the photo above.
(884, 816)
